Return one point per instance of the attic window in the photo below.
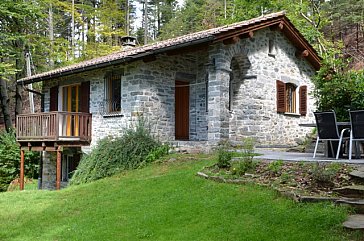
(271, 47)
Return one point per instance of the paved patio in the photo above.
(269, 154)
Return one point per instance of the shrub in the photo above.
(338, 89)
(275, 167)
(247, 155)
(323, 176)
(244, 166)
(133, 149)
(224, 155)
(10, 160)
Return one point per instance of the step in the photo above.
(358, 204)
(357, 174)
(355, 222)
(355, 191)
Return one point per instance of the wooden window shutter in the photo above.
(303, 100)
(85, 97)
(53, 96)
(281, 97)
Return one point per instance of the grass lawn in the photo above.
(166, 201)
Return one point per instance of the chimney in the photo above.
(128, 42)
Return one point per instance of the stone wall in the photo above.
(253, 71)
(148, 90)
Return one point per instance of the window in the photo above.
(290, 98)
(271, 46)
(287, 98)
(112, 101)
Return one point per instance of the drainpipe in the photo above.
(40, 181)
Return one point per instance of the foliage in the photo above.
(134, 148)
(10, 160)
(243, 166)
(224, 155)
(245, 162)
(338, 89)
(323, 175)
(158, 152)
(167, 202)
(275, 167)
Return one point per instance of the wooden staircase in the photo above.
(354, 197)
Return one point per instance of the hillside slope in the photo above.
(165, 202)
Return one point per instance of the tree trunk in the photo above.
(51, 35)
(145, 22)
(5, 104)
(19, 62)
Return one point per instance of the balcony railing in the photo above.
(54, 126)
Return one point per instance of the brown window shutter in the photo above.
(303, 100)
(85, 97)
(281, 97)
(53, 96)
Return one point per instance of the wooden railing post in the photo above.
(21, 169)
(58, 169)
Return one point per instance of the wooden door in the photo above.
(70, 103)
(182, 110)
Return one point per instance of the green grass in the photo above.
(165, 201)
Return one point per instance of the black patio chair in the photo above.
(327, 130)
(357, 128)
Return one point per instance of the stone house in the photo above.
(251, 78)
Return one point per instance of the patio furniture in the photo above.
(327, 130)
(357, 129)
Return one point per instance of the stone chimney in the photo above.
(128, 42)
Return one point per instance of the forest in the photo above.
(55, 33)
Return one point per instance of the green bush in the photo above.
(133, 149)
(275, 167)
(224, 155)
(339, 89)
(244, 166)
(10, 160)
(323, 176)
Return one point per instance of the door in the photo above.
(182, 110)
(70, 103)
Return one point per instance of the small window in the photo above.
(271, 47)
(112, 101)
(290, 98)
(287, 98)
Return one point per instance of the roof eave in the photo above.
(287, 28)
(29, 80)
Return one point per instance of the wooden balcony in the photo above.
(49, 130)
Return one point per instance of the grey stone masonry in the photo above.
(49, 170)
(232, 92)
(244, 75)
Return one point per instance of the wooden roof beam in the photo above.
(232, 40)
(277, 27)
(302, 53)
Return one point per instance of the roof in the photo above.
(278, 20)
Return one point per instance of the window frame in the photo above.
(299, 98)
(109, 107)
